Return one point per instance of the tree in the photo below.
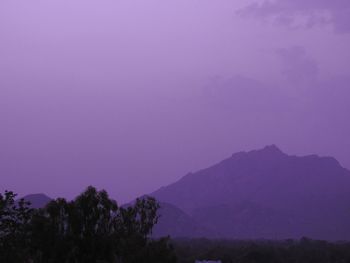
(91, 228)
(14, 221)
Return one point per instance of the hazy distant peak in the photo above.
(37, 200)
(270, 149)
(37, 195)
(267, 193)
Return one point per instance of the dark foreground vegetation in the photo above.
(94, 229)
(91, 228)
(262, 251)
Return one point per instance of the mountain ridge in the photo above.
(298, 189)
(262, 193)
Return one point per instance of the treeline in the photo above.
(288, 251)
(92, 228)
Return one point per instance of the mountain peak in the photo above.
(267, 150)
(271, 149)
(37, 200)
(267, 193)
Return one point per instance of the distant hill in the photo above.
(37, 200)
(266, 194)
(176, 223)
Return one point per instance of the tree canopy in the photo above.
(91, 228)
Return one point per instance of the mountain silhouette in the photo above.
(266, 194)
(176, 223)
(37, 200)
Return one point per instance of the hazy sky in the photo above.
(131, 95)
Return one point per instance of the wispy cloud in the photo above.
(303, 12)
(297, 66)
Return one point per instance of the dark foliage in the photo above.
(91, 228)
(94, 229)
(14, 220)
(288, 251)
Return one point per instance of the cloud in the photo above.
(308, 13)
(297, 66)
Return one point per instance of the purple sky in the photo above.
(131, 95)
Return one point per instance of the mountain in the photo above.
(37, 200)
(176, 223)
(267, 194)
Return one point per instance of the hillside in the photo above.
(267, 194)
(37, 200)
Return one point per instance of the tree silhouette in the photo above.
(91, 228)
(14, 220)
